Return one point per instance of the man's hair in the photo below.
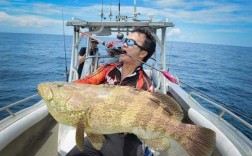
(149, 43)
(94, 41)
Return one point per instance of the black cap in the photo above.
(94, 41)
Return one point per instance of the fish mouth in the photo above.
(45, 91)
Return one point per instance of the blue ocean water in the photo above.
(25, 61)
(223, 72)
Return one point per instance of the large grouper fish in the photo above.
(106, 109)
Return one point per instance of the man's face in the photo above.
(93, 45)
(134, 50)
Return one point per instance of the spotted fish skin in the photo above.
(105, 109)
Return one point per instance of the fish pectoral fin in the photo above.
(79, 137)
(159, 144)
(169, 104)
(96, 140)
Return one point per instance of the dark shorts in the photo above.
(115, 145)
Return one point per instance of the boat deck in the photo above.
(46, 144)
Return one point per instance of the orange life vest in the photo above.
(102, 73)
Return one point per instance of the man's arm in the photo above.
(81, 59)
(82, 55)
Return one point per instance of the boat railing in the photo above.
(97, 59)
(222, 109)
(7, 108)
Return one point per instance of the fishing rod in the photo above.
(112, 51)
(64, 39)
(108, 45)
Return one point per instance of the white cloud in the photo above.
(230, 30)
(190, 15)
(213, 14)
(165, 3)
(174, 33)
(178, 35)
(204, 12)
(26, 20)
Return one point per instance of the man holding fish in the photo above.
(140, 44)
(115, 117)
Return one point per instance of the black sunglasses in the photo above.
(131, 42)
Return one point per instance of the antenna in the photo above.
(101, 14)
(110, 13)
(119, 9)
(119, 17)
(135, 12)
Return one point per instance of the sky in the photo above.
(225, 22)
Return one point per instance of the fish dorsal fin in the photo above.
(170, 105)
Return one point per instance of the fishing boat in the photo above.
(33, 131)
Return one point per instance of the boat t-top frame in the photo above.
(108, 29)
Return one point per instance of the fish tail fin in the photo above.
(196, 140)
